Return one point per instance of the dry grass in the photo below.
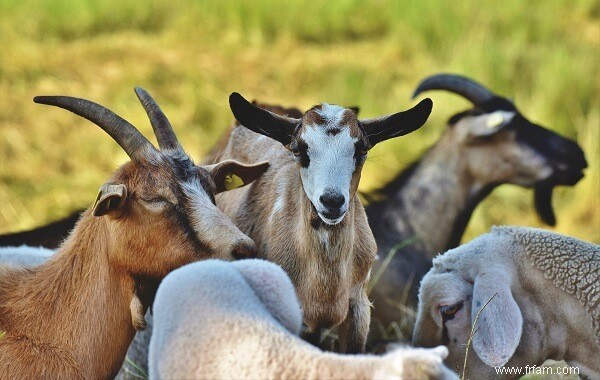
(191, 55)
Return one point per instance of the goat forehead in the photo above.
(332, 119)
(198, 198)
(333, 145)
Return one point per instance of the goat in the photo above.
(71, 316)
(303, 213)
(537, 294)
(52, 234)
(433, 199)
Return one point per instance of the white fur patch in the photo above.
(332, 114)
(210, 224)
(331, 165)
(279, 203)
(323, 235)
(24, 255)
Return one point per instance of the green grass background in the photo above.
(191, 54)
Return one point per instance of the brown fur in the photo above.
(74, 315)
(329, 278)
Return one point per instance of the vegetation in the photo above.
(191, 54)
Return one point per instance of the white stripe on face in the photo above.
(331, 164)
(211, 225)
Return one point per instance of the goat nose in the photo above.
(332, 200)
(244, 250)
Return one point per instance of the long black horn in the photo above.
(125, 134)
(468, 88)
(160, 124)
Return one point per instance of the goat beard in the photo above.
(542, 199)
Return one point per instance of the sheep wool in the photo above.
(552, 253)
(216, 319)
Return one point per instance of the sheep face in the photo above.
(467, 282)
(330, 146)
(160, 204)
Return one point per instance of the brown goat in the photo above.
(71, 317)
(303, 213)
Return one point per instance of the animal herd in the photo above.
(148, 279)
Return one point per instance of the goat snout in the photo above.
(244, 250)
(333, 202)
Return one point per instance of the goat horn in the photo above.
(160, 124)
(458, 84)
(125, 134)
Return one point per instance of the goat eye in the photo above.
(296, 152)
(156, 204)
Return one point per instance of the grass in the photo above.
(192, 54)
(472, 333)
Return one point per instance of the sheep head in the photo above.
(463, 283)
(159, 208)
(330, 145)
(503, 146)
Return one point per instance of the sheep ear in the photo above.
(280, 128)
(489, 123)
(500, 324)
(398, 124)
(111, 198)
(230, 174)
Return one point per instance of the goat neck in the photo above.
(80, 291)
(438, 190)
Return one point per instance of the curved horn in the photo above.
(124, 133)
(468, 88)
(160, 124)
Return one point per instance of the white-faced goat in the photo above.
(482, 148)
(537, 295)
(71, 317)
(304, 214)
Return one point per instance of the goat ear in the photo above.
(489, 124)
(398, 124)
(111, 198)
(500, 324)
(230, 174)
(280, 128)
(355, 109)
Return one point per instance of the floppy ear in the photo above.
(111, 198)
(280, 128)
(230, 174)
(500, 324)
(398, 124)
(355, 109)
(489, 124)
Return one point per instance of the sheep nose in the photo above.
(245, 250)
(332, 201)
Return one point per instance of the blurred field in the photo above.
(190, 55)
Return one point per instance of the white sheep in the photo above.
(24, 255)
(216, 319)
(544, 302)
